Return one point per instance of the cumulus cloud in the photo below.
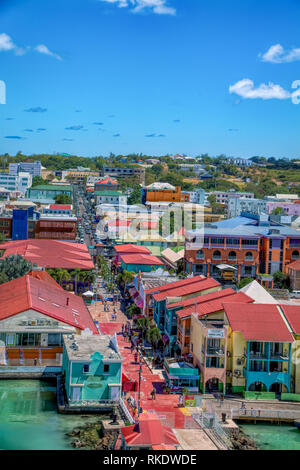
(278, 55)
(40, 129)
(160, 7)
(116, 135)
(42, 49)
(98, 123)
(37, 109)
(246, 89)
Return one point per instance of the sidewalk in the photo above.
(164, 405)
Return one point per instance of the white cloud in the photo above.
(246, 89)
(7, 44)
(44, 50)
(159, 7)
(278, 55)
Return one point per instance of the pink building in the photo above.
(290, 208)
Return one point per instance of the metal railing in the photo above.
(93, 403)
(261, 413)
(212, 426)
(126, 411)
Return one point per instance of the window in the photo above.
(86, 368)
(249, 242)
(232, 241)
(249, 256)
(200, 254)
(106, 368)
(217, 254)
(232, 255)
(295, 254)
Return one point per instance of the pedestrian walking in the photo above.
(153, 393)
(135, 357)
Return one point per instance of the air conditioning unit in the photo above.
(239, 362)
(228, 354)
(237, 372)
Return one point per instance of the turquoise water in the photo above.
(273, 437)
(29, 419)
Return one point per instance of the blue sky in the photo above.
(90, 77)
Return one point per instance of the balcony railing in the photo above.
(215, 351)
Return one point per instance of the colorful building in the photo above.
(92, 366)
(35, 313)
(157, 192)
(140, 263)
(50, 253)
(148, 434)
(48, 192)
(166, 319)
(260, 346)
(246, 244)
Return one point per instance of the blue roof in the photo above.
(235, 222)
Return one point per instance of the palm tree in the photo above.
(153, 336)
(63, 275)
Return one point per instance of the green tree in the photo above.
(135, 196)
(37, 181)
(278, 211)
(281, 280)
(245, 281)
(63, 199)
(153, 336)
(14, 266)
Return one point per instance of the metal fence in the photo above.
(126, 411)
(261, 413)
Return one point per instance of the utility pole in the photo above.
(140, 379)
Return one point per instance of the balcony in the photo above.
(215, 351)
(255, 355)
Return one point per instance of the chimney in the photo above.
(67, 301)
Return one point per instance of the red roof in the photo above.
(149, 432)
(292, 314)
(215, 305)
(202, 285)
(44, 276)
(295, 265)
(141, 259)
(108, 180)
(202, 298)
(172, 285)
(28, 292)
(131, 249)
(258, 322)
(65, 207)
(51, 253)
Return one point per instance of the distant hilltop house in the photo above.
(240, 161)
(156, 192)
(126, 172)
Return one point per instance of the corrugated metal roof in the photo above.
(258, 322)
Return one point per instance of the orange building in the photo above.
(165, 192)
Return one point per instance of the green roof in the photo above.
(108, 193)
(177, 248)
(52, 187)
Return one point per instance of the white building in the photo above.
(223, 196)
(237, 205)
(20, 182)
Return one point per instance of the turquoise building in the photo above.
(181, 375)
(140, 263)
(48, 192)
(92, 366)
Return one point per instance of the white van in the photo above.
(296, 294)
